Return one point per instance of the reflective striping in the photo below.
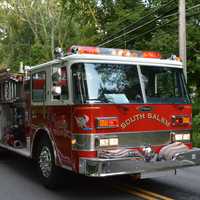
(127, 140)
(142, 193)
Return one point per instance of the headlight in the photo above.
(113, 141)
(107, 142)
(186, 137)
(182, 137)
(103, 142)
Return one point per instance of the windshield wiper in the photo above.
(93, 101)
(98, 100)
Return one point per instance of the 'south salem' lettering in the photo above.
(158, 118)
(151, 116)
(132, 119)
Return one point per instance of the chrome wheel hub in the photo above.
(45, 161)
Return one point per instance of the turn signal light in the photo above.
(107, 122)
(180, 120)
(88, 50)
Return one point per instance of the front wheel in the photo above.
(49, 173)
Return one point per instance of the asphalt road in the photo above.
(18, 181)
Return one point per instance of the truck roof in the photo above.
(114, 59)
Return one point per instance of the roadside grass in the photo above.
(196, 107)
(196, 124)
(196, 136)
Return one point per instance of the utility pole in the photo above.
(182, 35)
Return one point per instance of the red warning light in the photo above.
(88, 50)
(113, 52)
(151, 54)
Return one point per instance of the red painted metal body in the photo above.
(62, 125)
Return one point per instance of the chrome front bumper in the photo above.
(97, 167)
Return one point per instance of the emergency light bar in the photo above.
(113, 52)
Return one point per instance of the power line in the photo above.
(138, 36)
(194, 14)
(198, 5)
(127, 27)
(132, 30)
(176, 13)
(188, 16)
(126, 16)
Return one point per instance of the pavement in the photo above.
(19, 181)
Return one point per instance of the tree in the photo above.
(31, 29)
(34, 28)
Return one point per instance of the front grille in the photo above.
(117, 153)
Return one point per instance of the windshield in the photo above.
(120, 84)
(164, 85)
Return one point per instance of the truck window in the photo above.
(27, 85)
(39, 87)
(106, 83)
(59, 83)
(164, 85)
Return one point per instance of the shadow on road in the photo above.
(74, 186)
(23, 170)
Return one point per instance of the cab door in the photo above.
(38, 99)
(59, 111)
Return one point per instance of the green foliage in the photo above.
(114, 19)
(196, 122)
(30, 29)
(196, 130)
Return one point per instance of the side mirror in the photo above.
(56, 90)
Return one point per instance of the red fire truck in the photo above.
(99, 112)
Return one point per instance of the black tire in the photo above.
(49, 173)
(3, 152)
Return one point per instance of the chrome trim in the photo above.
(148, 175)
(152, 131)
(47, 67)
(145, 108)
(96, 167)
(28, 143)
(45, 161)
(66, 167)
(142, 84)
(86, 142)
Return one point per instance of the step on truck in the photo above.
(99, 112)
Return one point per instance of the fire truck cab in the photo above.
(99, 112)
